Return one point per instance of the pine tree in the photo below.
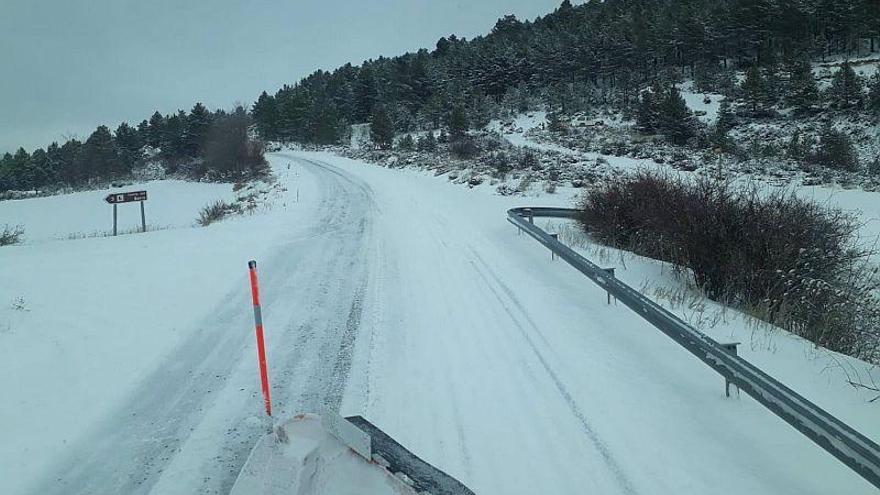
(754, 89)
(381, 128)
(156, 130)
(265, 113)
(68, 162)
(99, 158)
(676, 121)
(406, 143)
(836, 150)
(797, 149)
(39, 172)
(366, 94)
(128, 145)
(172, 143)
(647, 112)
(196, 128)
(725, 120)
(427, 142)
(803, 93)
(18, 168)
(326, 124)
(874, 93)
(457, 123)
(873, 168)
(846, 87)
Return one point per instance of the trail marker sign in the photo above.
(128, 197)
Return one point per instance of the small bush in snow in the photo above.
(215, 212)
(528, 161)
(836, 151)
(406, 143)
(11, 235)
(427, 142)
(785, 259)
(874, 167)
(464, 148)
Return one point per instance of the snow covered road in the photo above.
(397, 297)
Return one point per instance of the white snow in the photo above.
(412, 302)
(170, 204)
(696, 101)
(312, 462)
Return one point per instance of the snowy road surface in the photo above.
(394, 296)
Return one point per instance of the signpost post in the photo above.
(128, 197)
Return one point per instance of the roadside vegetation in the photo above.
(215, 212)
(781, 258)
(11, 234)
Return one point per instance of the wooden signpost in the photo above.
(128, 197)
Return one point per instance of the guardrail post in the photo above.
(552, 252)
(731, 348)
(609, 271)
(529, 215)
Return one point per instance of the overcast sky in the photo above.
(67, 66)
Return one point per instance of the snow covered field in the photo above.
(129, 366)
(171, 204)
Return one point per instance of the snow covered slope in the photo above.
(394, 296)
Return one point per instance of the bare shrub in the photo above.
(215, 212)
(787, 260)
(11, 235)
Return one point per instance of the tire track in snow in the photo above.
(132, 449)
(507, 300)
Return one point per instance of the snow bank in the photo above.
(301, 458)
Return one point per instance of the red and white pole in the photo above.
(261, 347)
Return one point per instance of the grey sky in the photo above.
(67, 66)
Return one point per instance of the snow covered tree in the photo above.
(406, 143)
(754, 89)
(99, 158)
(725, 119)
(457, 123)
(874, 167)
(172, 142)
(128, 145)
(676, 121)
(647, 111)
(846, 87)
(724, 122)
(874, 93)
(836, 150)
(381, 128)
(196, 128)
(156, 130)
(366, 94)
(797, 149)
(803, 93)
(427, 142)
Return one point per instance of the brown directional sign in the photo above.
(126, 197)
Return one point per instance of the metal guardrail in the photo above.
(852, 448)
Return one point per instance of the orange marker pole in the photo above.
(261, 346)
